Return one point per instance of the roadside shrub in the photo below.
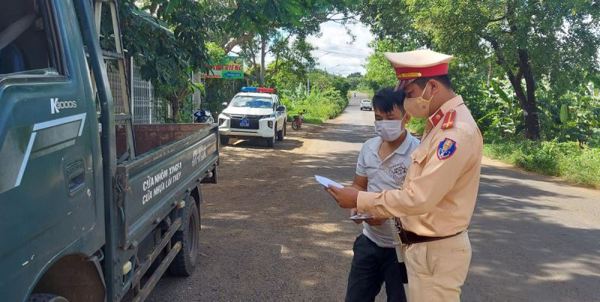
(318, 106)
(569, 160)
(416, 125)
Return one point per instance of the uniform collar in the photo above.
(454, 102)
(401, 150)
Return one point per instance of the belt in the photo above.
(408, 237)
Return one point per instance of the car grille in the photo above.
(253, 120)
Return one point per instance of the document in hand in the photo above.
(326, 182)
(361, 216)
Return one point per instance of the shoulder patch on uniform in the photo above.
(449, 120)
(446, 148)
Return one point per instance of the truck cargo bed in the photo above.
(151, 136)
(177, 158)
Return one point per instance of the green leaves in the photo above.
(564, 113)
(549, 49)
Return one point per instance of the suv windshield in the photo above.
(251, 102)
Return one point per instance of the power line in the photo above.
(337, 52)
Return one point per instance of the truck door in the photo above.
(47, 118)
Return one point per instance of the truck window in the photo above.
(28, 39)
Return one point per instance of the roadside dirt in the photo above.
(269, 232)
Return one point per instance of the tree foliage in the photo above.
(166, 48)
(526, 42)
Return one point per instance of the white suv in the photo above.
(253, 113)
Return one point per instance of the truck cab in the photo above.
(255, 112)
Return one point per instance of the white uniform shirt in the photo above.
(384, 174)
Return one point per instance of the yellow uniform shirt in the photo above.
(440, 189)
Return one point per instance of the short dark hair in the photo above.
(385, 99)
(444, 79)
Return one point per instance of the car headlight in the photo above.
(272, 115)
(224, 116)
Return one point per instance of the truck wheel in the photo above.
(46, 298)
(224, 140)
(185, 262)
(280, 133)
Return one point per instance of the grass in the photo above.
(307, 120)
(568, 160)
(318, 106)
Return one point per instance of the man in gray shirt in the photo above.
(382, 165)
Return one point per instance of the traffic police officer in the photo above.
(435, 205)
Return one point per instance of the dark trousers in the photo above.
(371, 266)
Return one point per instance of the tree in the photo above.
(257, 25)
(167, 47)
(292, 63)
(354, 79)
(530, 41)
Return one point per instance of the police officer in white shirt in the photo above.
(382, 165)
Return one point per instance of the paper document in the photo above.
(361, 216)
(326, 182)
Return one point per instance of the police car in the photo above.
(255, 112)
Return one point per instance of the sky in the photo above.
(337, 52)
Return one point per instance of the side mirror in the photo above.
(224, 104)
(281, 109)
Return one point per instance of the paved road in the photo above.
(269, 233)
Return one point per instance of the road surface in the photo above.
(269, 233)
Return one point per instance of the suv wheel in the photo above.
(280, 133)
(271, 140)
(224, 140)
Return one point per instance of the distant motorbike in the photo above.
(298, 120)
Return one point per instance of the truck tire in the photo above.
(46, 298)
(185, 262)
(224, 140)
(280, 133)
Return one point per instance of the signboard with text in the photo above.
(229, 69)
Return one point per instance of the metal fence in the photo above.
(115, 86)
(145, 107)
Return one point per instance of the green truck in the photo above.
(92, 207)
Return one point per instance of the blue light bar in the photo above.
(249, 89)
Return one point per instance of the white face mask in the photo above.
(389, 130)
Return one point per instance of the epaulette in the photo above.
(449, 120)
(436, 117)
